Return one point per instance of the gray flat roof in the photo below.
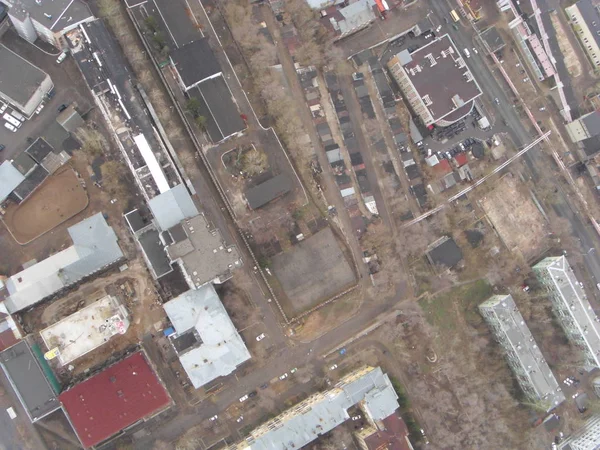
(24, 163)
(154, 250)
(28, 380)
(10, 178)
(172, 206)
(19, 79)
(592, 122)
(591, 16)
(219, 100)
(445, 252)
(39, 150)
(53, 14)
(268, 191)
(203, 254)
(492, 38)
(219, 349)
(195, 62)
(510, 328)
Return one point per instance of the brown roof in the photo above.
(393, 437)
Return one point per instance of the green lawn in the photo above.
(444, 310)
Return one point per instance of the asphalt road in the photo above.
(582, 230)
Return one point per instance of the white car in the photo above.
(356, 417)
(239, 419)
(284, 376)
(260, 337)
(294, 370)
(333, 367)
(244, 398)
(3, 108)
(213, 418)
(10, 127)
(61, 57)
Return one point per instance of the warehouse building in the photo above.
(571, 306)
(22, 84)
(436, 82)
(522, 353)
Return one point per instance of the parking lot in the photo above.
(69, 88)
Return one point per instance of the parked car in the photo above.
(333, 367)
(260, 337)
(294, 370)
(239, 419)
(213, 418)
(62, 107)
(10, 127)
(284, 376)
(252, 394)
(244, 398)
(356, 417)
(2, 147)
(61, 57)
(264, 386)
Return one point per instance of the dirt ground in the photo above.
(571, 61)
(515, 217)
(60, 197)
(313, 270)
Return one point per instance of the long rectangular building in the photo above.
(571, 306)
(522, 353)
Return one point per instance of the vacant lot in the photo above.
(57, 199)
(515, 217)
(313, 270)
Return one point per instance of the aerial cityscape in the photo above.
(286, 224)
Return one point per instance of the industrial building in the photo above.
(119, 396)
(522, 353)
(571, 306)
(586, 438)
(585, 21)
(368, 387)
(95, 247)
(585, 127)
(205, 339)
(47, 20)
(22, 84)
(436, 82)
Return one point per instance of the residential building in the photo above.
(444, 253)
(95, 248)
(205, 339)
(436, 82)
(586, 127)
(387, 434)
(586, 438)
(585, 20)
(571, 306)
(522, 353)
(22, 84)
(10, 178)
(304, 422)
(28, 375)
(349, 19)
(269, 190)
(48, 20)
(119, 396)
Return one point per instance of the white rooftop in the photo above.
(10, 178)
(213, 347)
(85, 330)
(321, 412)
(514, 333)
(577, 315)
(94, 247)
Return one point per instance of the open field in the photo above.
(515, 217)
(313, 270)
(57, 199)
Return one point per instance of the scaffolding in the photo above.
(571, 306)
(522, 353)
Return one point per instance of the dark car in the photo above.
(2, 147)
(62, 107)
(252, 394)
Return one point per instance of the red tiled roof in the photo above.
(7, 338)
(393, 437)
(443, 167)
(461, 159)
(115, 398)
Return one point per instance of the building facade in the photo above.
(522, 353)
(587, 438)
(585, 20)
(571, 306)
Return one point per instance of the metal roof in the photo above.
(10, 178)
(220, 348)
(94, 247)
(322, 412)
(268, 191)
(115, 398)
(195, 62)
(172, 206)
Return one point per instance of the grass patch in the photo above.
(445, 310)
